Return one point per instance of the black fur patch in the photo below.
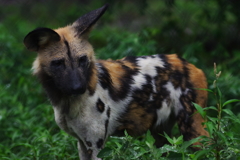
(131, 59)
(141, 96)
(33, 39)
(191, 96)
(88, 76)
(68, 51)
(86, 21)
(48, 84)
(108, 112)
(100, 105)
(89, 143)
(163, 57)
(107, 121)
(177, 78)
(126, 81)
(185, 121)
(55, 94)
(100, 143)
(106, 128)
(89, 152)
(104, 77)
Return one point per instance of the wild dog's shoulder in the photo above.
(116, 76)
(125, 63)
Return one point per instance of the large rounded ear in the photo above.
(84, 24)
(40, 37)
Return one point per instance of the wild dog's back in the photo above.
(162, 89)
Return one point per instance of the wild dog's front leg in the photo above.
(88, 152)
(84, 153)
(91, 137)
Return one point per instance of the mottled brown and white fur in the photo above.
(93, 99)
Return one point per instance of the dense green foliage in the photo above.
(201, 31)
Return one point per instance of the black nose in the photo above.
(77, 89)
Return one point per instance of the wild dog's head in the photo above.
(65, 58)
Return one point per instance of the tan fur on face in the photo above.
(55, 51)
(78, 45)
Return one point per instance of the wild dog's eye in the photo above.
(83, 61)
(57, 63)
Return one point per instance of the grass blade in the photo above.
(230, 101)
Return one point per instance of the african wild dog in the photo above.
(93, 99)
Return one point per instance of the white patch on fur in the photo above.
(88, 121)
(139, 80)
(186, 91)
(154, 86)
(59, 118)
(175, 96)
(174, 104)
(163, 113)
(148, 64)
(117, 108)
(150, 98)
(36, 66)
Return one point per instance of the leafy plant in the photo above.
(126, 148)
(223, 141)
